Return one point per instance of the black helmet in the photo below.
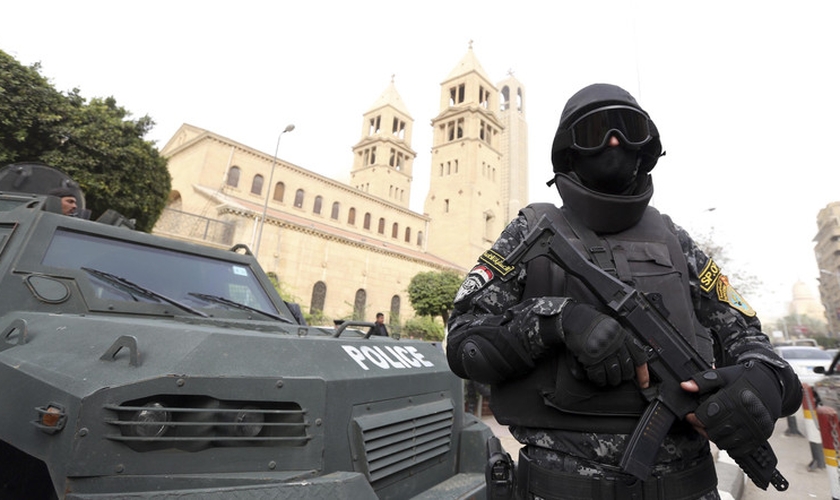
(605, 105)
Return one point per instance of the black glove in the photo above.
(744, 403)
(608, 354)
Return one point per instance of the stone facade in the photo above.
(478, 166)
(827, 251)
(350, 250)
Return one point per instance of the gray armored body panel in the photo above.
(135, 366)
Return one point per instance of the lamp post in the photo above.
(288, 128)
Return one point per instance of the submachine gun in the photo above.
(670, 357)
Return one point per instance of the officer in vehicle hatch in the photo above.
(69, 205)
(565, 376)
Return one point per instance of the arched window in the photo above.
(319, 296)
(316, 207)
(394, 321)
(233, 176)
(299, 198)
(279, 191)
(334, 213)
(359, 305)
(367, 220)
(381, 227)
(505, 99)
(395, 230)
(395, 307)
(419, 238)
(351, 216)
(408, 235)
(256, 186)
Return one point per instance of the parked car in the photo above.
(804, 359)
(807, 342)
(827, 387)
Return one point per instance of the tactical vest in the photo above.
(648, 257)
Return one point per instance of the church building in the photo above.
(349, 250)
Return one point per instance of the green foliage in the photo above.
(827, 342)
(282, 291)
(317, 318)
(394, 326)
(424, 327)
(30, 111)
(432, 293)
(95, 143)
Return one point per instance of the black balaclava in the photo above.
(613, 170)
(610, 189)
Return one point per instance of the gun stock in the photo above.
(671, 358)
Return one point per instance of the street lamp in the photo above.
(288, 128)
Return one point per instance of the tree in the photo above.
(95, 143)
(432, 293)
(425, 328)
(743, 281)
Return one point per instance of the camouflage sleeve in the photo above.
(489, 304)
(734, 325)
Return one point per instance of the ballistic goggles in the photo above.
(590, 132)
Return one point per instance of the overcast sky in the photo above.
(744, 93)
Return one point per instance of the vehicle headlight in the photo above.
(151, 421)
(246, 422)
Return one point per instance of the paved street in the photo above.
(794, 453)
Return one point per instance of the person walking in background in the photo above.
(378, 327)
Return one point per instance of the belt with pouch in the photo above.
(688, 484)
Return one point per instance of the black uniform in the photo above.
(378, 329)
(569, 425)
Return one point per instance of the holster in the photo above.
(499, 472)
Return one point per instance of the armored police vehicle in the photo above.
(135, 366)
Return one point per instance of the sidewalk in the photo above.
(730, 476)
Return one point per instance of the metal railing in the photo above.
(195, 226)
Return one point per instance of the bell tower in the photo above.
(514, 175)
(466, 201)
(383, 158)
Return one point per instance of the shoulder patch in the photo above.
(726, 293)
(709, 276)
(496, 262)
(478, 277)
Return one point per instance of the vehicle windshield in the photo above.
(172, 274)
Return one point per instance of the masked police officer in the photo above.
(565, 376)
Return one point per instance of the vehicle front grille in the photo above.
(196, 423)
(398, 440)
